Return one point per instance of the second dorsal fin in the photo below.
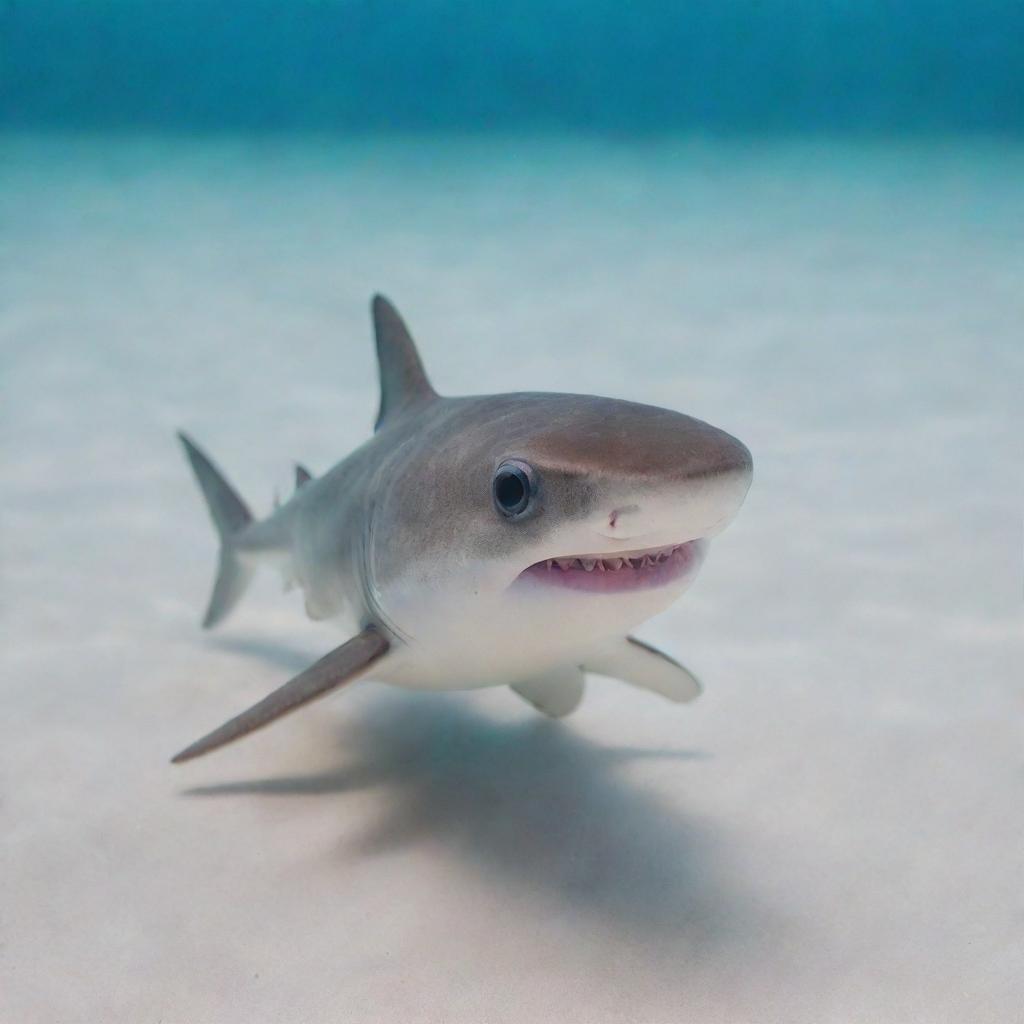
(302, 475)
(403, 381)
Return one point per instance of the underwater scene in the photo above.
(801, 221)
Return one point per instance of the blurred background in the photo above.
(800, 220)
(596, 66)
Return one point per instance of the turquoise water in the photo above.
(582, 65)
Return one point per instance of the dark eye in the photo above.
(513, 489)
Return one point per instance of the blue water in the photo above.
(586, 65)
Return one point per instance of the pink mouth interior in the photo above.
(628, 570)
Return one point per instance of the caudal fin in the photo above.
(230, 516)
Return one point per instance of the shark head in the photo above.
(626, 495)
(540, 523)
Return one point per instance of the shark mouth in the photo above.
(625, 570)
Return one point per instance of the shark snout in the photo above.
(716, 475)
(698, 497)
(707, 453)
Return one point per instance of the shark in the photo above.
(503, 540)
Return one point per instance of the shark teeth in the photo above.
(614, 563)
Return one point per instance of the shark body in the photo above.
(481, 541)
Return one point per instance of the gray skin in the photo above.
(441, 455)
(402, 543)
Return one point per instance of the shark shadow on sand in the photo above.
(533, 804)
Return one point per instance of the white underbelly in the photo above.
(493, 642)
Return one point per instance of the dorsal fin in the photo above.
(403, 380)
(302, 475)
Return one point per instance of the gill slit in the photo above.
(372, 598)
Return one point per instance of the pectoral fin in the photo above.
(343, 665)
(639, 664)
(555, 694)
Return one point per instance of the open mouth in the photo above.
(625, 570)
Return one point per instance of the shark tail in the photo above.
(230, 516)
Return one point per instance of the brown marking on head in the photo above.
(605, 438)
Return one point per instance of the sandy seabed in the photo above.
(833, 833)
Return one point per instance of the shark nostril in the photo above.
(622, 523)
(617, 513)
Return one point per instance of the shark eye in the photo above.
(513, 489)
